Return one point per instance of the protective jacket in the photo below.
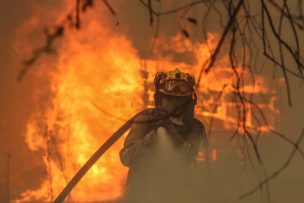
(136, 155)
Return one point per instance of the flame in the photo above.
(97, 83)
(92, 83)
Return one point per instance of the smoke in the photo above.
(164, 175)
(81, 65)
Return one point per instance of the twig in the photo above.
(57, 33)
(220, 43)
(77, 24)
(47, 48)
(109, 7)
(276, 173)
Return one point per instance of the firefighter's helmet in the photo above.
(175, 83)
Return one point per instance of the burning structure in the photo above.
(97, 78)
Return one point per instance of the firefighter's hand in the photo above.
(149, 139)
(160, 118)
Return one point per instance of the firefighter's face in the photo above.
(174, 104)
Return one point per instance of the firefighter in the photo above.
(163, 142)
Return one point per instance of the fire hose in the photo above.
(100, 151)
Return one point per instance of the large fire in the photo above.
(98, 81)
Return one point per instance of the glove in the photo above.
(149, 139)
(160, 118)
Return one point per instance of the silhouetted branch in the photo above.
(47, 48)
(87, 4)
(220, 43)
(150, 12)
(296, 20)
(77, 24)
(109, 7)
(57, 33)
(276, 173)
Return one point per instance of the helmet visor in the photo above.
(176, 88)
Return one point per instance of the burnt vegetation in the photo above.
(248, 32)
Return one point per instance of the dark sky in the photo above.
(16, 101)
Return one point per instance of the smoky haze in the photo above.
(163, 176)
(223, 180)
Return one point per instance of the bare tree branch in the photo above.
(276, 173)
(220, 43)
(57, 33)
(109, 7)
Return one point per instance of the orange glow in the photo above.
(213, 155)
(96, 85)
(201, 156)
